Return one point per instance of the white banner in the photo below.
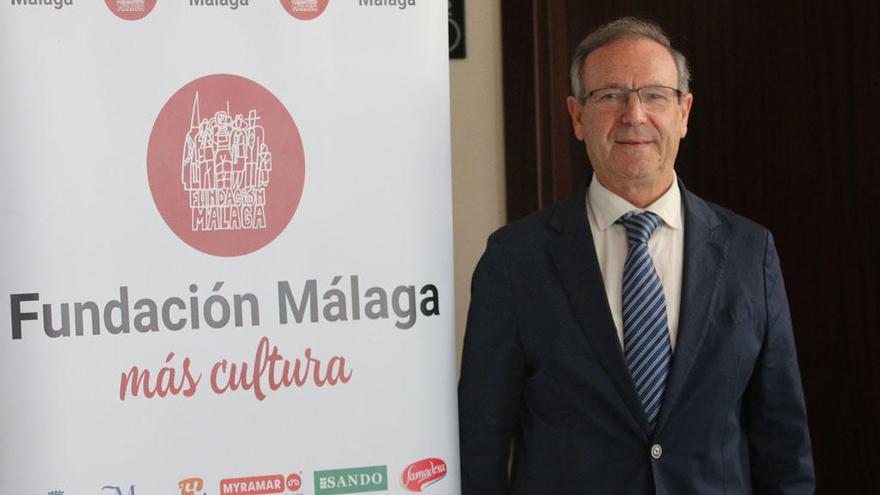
(227, 266)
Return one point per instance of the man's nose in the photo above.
(633, 109)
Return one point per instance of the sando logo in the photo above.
(225, 165)
(351, 480)
(131, 10)
(305, 10)
(422, 473)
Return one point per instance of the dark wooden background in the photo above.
(785, 129)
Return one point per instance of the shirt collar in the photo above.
(608, 207)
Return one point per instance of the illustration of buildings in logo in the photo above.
(225, 170)
(304, 5)
(130, 5)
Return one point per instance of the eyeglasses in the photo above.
(651, 97)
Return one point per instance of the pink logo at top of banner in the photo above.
(422, 473)
(131, 10)
(226, 165)
(305, 10)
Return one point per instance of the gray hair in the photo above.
(625, 28)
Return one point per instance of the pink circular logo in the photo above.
(294, 482)
(131, 10)
(225, 165)
(305, 10)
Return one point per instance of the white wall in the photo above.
(477, 145)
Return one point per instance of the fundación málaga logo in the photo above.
(131, 10)
(305, 10)
(226, 165)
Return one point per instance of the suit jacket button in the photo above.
(656, 451)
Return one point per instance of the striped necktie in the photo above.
(645, 334)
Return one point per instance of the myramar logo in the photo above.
(420, 474)
(261, 485)
(130, 10)
(351, 480)
(226, 165)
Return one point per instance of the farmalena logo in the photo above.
(422, 473)
(351, 480)
(225, 165)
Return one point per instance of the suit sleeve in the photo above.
(490, 387)
(779, 438)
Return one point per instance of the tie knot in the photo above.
(639, 226)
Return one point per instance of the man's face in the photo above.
(630, 146)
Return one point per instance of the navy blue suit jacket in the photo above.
(543, 369)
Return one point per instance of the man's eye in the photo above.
(657, 96)
(609, 96)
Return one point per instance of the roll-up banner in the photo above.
(227, 249)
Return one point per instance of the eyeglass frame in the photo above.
(627, 91)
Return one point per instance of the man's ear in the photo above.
(685, 108)
(576, 111)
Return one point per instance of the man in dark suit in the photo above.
(633, 339)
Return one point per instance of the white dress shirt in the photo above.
(666, 247)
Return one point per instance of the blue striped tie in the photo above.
(645, 335)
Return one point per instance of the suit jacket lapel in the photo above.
(705, 252)
(572, 250)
